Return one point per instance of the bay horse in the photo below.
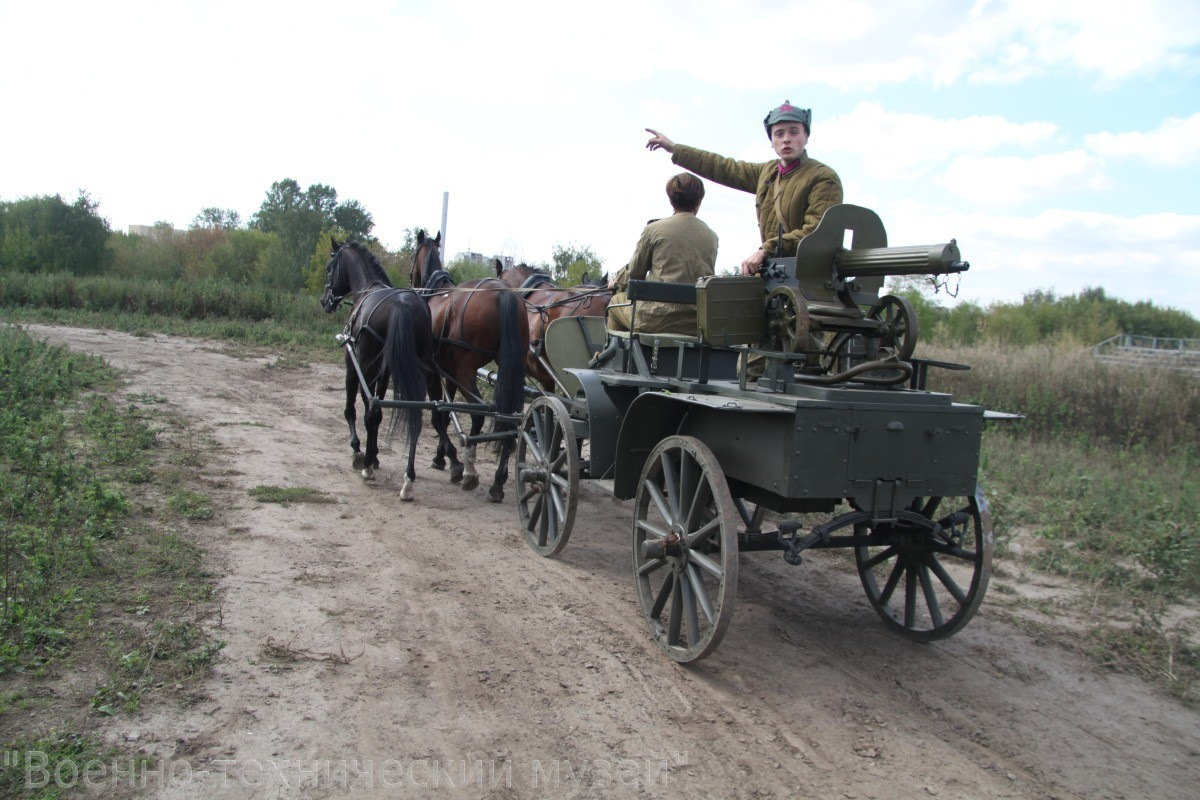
(546, 301)
(474, 323)
(390, 331)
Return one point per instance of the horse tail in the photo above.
(510, 358)
(401, 354)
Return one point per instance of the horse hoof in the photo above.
(456, 474)
(438, 463)
(359, 461)
(496, 497)
(470, 482)
(368, 474)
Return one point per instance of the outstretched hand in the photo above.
(659, 141)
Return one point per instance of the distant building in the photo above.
(506, 262)
(153, 231)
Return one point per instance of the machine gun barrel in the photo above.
(870, 262)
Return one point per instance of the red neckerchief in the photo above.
(790, 167)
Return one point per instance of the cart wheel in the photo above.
(897, 325)
(685, 551)
(927, 572)
(547, 475)
(787, 319)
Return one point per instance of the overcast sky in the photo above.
(1058, 142)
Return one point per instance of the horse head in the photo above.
(352, 268)
(337, 283)
(427, 260)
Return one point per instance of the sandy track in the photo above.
(481, 670)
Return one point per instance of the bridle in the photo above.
(333, 275)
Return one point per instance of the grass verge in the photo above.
(97, 578)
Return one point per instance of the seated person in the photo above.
(677, 249)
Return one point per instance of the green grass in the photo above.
(90, 578)
(1101, 480)
(191, 505)
(289, 494)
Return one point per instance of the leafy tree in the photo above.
(46, 234)
(298, 218)
(464, 269)
(217, 218)
(355, 220)
(569, 262)
(143, 257)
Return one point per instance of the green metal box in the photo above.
(730, 309)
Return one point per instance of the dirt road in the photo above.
(475, 668)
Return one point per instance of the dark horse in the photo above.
(391, 333)
(545, 302)
(474, 323)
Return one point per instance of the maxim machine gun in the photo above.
(825, 303)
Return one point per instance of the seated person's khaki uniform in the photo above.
(677, 249)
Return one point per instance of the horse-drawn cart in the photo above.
(839, 438)
(798, 400)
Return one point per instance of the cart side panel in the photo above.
(897, 454)
(744, 435)
(604, 408)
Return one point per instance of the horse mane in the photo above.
(373, 265)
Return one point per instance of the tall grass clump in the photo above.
(1102, 469)
(189, 300)
(1065, 393)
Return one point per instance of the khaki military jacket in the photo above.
(804, 193)
(677, 249)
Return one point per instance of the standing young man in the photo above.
(793, 191)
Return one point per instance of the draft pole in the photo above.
(445, 209)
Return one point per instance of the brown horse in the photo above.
(475, 323)
(545, 302)
(390, 334)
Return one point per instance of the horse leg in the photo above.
(410, 475)
(439, 425)
(371, 421)
(496, 492)
(350, 415)
(470, 476)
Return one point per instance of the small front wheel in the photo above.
(547, 475)
(926, 572)
(685, 548)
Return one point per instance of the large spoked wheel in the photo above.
(787, 319)
(547, 475)
(685, 551)
(897, 325)
(927, 572)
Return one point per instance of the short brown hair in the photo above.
(685, 192)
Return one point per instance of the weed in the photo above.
(191, 505)
(289, 494)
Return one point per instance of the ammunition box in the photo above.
(730, 309)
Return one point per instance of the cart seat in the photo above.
(571, 343)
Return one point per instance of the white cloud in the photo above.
(1007, 41)
(1005, 181)
(1174, 143)
(908, 146)
(1152, 257)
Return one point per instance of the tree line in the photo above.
(285, 246)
